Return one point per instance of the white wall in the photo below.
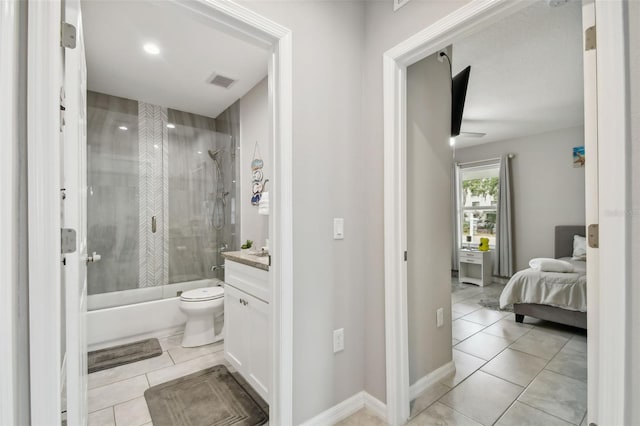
(547, 189)
(254, 126)
(428, 223)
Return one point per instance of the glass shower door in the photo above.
(113, 186)
(201, 197)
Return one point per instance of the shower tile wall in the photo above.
(113, 179)
(228, 123)
(148, 170)
(153, 159)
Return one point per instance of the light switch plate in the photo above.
(439, 317)
(338, 228)
(338, 340)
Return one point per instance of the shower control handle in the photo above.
(153, 224)
(94, 257)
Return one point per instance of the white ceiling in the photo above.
(191, 52)
(526, 74)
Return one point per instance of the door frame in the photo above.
(12, 321)
(43, 119)
(613, 116)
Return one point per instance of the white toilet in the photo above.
(203, 307)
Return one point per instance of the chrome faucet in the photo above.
(216, 267)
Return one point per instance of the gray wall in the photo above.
(547, 190)
(384, 29)
(254, 127)
(331, 166)
(338, 172)
(428, 222)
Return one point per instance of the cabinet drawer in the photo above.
(471, 260)
(251, 280)
(470, 255)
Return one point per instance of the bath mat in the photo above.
(211, 397)
(123, 354)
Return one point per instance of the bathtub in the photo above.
(126, 316)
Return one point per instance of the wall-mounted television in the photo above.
(459, 85)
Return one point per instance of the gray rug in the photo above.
(123, 354)
(211, 397)
(493, 302)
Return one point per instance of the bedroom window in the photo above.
(478, 199)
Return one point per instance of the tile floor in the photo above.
(116, 396)
(506, 373)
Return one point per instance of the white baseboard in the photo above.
(430, 379)
(348, 407)
(376, 406)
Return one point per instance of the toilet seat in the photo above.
(202, 294)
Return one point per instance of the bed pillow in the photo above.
(543, 264)
(579, 248)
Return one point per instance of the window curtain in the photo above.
(503, 259)
(455, 210)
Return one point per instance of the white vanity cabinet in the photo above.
(247, 322)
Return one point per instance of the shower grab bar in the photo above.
(153, 224)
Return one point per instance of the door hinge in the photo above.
(68, 36)
(67, 240)
(590, 38)
(593, 235)
(405, 255)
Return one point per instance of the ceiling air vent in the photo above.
(221, 81)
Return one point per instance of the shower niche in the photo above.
(162, 186)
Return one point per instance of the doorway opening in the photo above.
(398, 62)
(57, 326)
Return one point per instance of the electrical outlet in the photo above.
(439, 317)
(338, 340)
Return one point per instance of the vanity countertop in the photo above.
(260, 262)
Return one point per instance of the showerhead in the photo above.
(214, 154)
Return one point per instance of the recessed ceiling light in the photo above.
(123, 128)
(199, 152)
(171, 126)
(151, 49)
(156, 146)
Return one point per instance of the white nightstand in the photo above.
(475, 267)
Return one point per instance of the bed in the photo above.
(551, 296)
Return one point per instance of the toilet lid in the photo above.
(202, 294)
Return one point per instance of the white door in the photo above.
(591, 204)
(74, 216)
